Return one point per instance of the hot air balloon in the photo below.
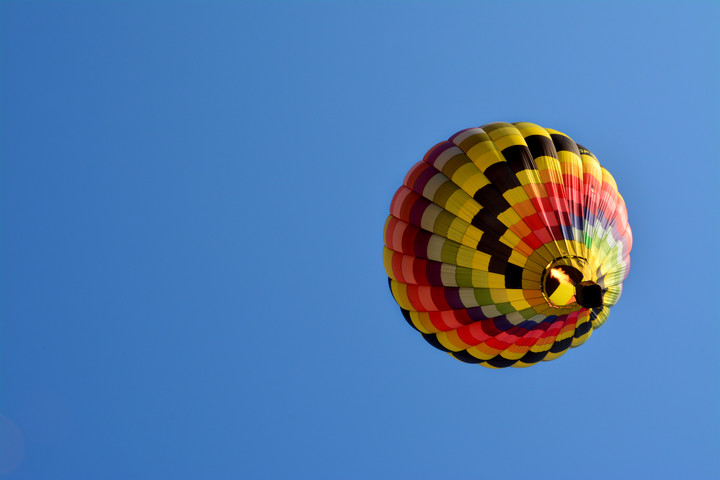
(507, 245)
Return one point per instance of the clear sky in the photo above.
(192, 198)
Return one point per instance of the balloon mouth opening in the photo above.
(559, 284)
(563, 285)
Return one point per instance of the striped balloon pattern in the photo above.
(507, 245)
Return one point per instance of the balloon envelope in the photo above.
(507, 245)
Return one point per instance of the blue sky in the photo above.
(192, 198)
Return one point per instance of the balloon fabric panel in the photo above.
(507, 245)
